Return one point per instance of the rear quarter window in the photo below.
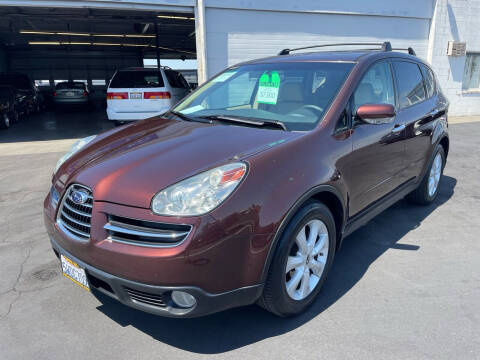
(410, 83)
(429, 79)
(175, 79)
(137, 79)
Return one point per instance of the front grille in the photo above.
(146, 298)
(74, 218)
(145, 233)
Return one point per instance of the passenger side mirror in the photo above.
(375, 113)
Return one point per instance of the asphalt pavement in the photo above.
(405, 286)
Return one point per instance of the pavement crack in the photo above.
(14, 287)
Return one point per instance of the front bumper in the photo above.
(138, 295)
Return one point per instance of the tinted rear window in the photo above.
(17, 81)
(66, 85)
(137, 79)
(410, 83)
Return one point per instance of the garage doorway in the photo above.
(86, 45)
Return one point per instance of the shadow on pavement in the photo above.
(66, 123)
(236, 328)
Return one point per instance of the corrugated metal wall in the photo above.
(244, 32)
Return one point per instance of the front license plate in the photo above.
(74, 272)
(135, 95)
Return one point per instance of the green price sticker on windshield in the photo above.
(268, 87)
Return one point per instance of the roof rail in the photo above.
(385, 46)
(409, 50)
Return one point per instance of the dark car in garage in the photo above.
(8, 106)
(71, 93)
(27, 94)
(244, 190)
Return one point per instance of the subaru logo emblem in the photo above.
(79, 197)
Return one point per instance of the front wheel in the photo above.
(301, 261)
(427, 191)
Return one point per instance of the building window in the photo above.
(471, 76)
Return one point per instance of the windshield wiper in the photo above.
(188, 118)
(247, 121)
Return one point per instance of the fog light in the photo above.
(183, 299)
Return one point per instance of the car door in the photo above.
(376, 164)
(418, 109)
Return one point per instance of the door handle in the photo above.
(398, 128)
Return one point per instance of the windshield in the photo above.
(296, 94)
(137, 79)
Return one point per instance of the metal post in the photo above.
(157, 44)
(200, 38)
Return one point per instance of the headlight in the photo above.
(75, 147)
(200, 193)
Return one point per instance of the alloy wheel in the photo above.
(307, 259)
(434, 176)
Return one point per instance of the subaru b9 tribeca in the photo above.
(243, 192)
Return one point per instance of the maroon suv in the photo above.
(243, 192)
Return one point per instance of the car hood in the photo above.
(131, 164)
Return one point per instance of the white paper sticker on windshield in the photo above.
(225, 76)
(268, 87)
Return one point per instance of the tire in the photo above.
(276, 298)
(5, 121)
(423, 194)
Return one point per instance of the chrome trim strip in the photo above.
(76, 234)
(86, 205)
(134, 230)
(81, 213)
(75, 220)
(144, 244)
(75, 230)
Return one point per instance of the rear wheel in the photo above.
(5, 123)
(301, 261)
(427, 191)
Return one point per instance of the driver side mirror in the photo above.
(375, 113)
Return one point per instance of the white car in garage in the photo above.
(141, 93)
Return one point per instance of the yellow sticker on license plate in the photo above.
(74, 272)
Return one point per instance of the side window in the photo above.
(183, 81)
(410, 83)
(429, 81)
(376, 87)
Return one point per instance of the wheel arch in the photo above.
(326, 194)
(445, 143)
